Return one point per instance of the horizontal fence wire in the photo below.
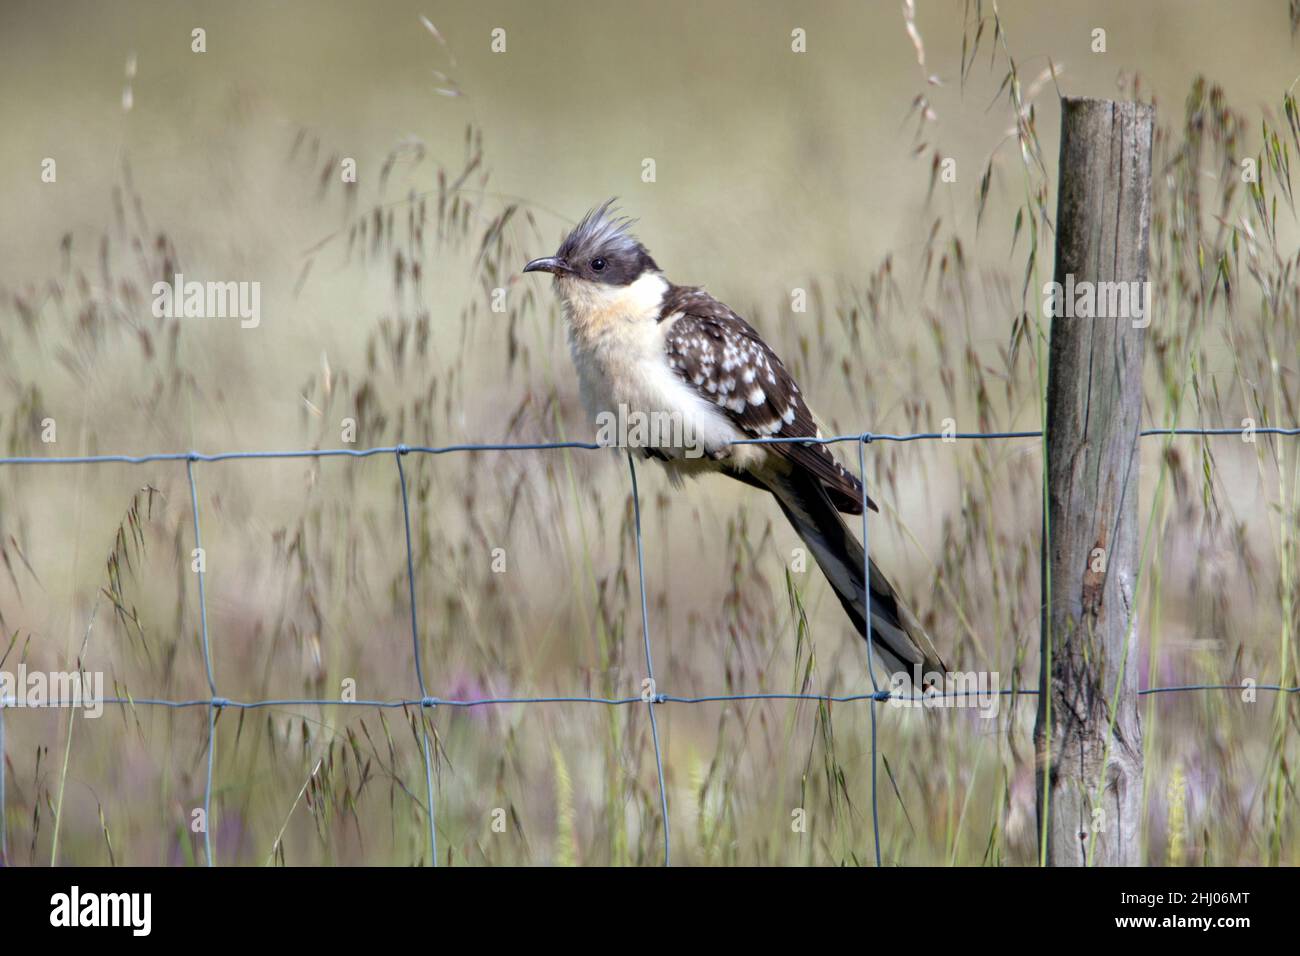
(652, 697)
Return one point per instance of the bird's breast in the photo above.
(620, 354)
(624, 377)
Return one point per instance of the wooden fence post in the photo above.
(1090, 778)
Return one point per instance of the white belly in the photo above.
(624, 378)
(625, 382)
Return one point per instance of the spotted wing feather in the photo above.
(722, 357)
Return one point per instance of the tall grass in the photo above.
(307, 577)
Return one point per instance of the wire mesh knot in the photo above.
(429, 702)
(220, 702)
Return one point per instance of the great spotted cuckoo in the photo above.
(645, 346)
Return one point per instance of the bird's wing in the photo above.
(720, 355)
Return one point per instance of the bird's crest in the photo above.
(603, 230)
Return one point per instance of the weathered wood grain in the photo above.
(1094, 403)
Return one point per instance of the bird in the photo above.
(645, 346)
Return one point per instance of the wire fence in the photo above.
(215, 702)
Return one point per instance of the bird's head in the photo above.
(600, 252)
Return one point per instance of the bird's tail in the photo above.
(899, 640)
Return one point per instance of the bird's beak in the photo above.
(552, 264)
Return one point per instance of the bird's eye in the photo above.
(597, 263)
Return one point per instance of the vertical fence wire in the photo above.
(200, 565)
(214, 703)
(655, 697)
(426, 702)
(871, 661)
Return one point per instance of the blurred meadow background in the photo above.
(774, 171)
